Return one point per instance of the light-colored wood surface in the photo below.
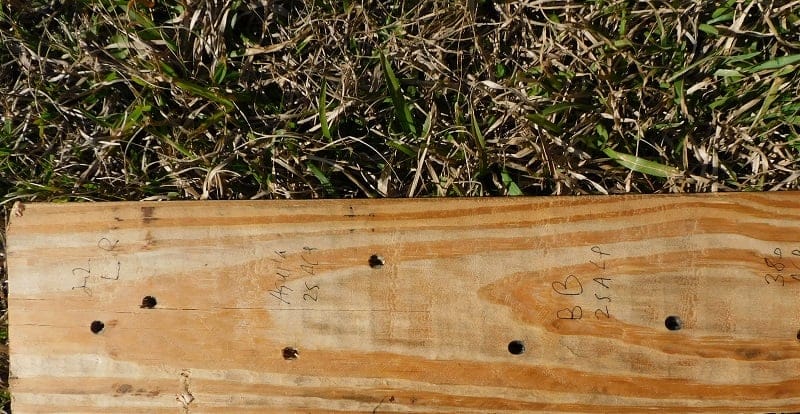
(585, 283)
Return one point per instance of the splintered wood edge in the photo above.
(590, 304)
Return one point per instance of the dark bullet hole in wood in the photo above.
(97, 327)
(673, 323)
(516, 347)
(376, 262)
(149, 302)
(290, 353)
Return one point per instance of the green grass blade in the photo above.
(728, 73)
(220, 72)
(776, 63)
(174, 144)
(741, 58)
(772, 94)
(720, 18)
(402, 147)
(642, 165)
(323, 112)
(322, 178)
(511, 187)
(204, 92)
(401, 108)
(708, 29)
(168, 70)
(563, 106)
(426, 126)
(476, 131)
(544, 123)
(691, 67)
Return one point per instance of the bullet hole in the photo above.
(798, 335)
(97, 327)
(516, 347)
(376, 261)
(673, 323)
(290, 353)
(149, 302)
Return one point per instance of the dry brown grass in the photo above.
(221, 99)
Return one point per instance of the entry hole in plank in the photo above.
(149, 302)
(97, 327)
(798, 335)
(376, 261)
(290, 353)
(673, 323)
(516, 347)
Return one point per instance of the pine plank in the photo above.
(281, 307)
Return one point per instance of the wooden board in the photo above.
(408, 305)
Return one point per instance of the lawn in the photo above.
(223, 99)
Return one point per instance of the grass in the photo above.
(225, 99)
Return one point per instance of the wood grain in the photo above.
(586, 284)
